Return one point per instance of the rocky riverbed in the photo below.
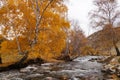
(112, 68)
(82, 68)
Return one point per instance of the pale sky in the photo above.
(78, 10)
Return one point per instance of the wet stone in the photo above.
(79, 69)
(16, 79)
(34, 76)
(28, 69)
(50, 78)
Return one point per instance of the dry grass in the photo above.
(10, 58)
(5, 64)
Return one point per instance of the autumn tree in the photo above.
(77, 39)
(106, 17)
(35, 25)
(1, 40)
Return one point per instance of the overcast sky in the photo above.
(78, 10)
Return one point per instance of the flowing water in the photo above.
(79, 69)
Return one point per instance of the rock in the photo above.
(109, 69)
(28, 69)
(98, 59)
(110, 77)
(64, 77)
(16, 79)
(74, 78)
(115, 60)
(34, 76)
(93, 59)
(118, 70)
(50, 78)
(81, 77)
(46, 68)
(107, 59)
(46, 64)
(75, 70)
(113, 67)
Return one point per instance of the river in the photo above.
(79, 69)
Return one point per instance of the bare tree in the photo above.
(67, 31)
(1, 40)
(106, 12)
(106, 17)
(77, 38)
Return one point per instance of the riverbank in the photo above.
(81, 68)
(112, 68)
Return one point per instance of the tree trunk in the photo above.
(117, 50)
(23, 62)
(23, 59)
(0, 59)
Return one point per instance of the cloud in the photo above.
(79, 9)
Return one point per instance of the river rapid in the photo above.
(82, 68)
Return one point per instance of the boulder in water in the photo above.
(50, 78)
(34, 76)
(28, 69)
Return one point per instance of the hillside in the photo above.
(97, 44)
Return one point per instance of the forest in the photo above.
(37, 37)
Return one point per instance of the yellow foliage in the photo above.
(88, 51)
(21, 26)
